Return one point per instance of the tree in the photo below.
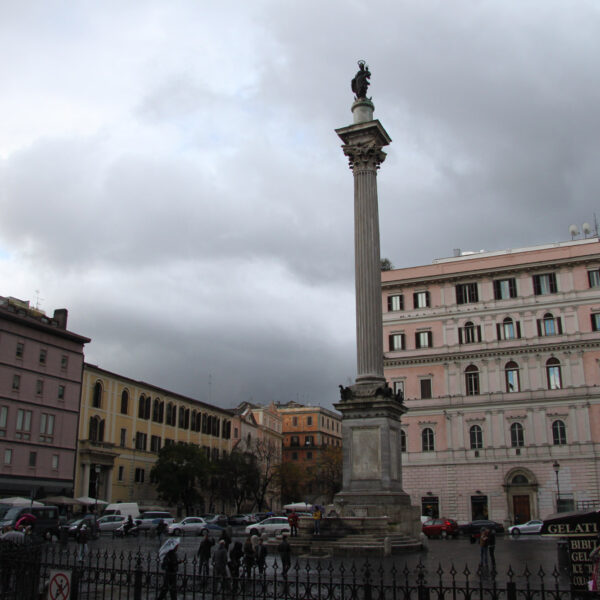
(329, 472)
(235, 478)
(386, 264)
(291, 480)
(268, 458)
(178, 472)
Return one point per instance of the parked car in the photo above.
(271, 526)
(46, 518)
(242, 519)
(534, 526)
(440, 528)
(194, 526)
(473, 528)
(150, 519)
(111, 522)
(220, 520)
(73, 526)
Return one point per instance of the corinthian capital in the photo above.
(367, 156)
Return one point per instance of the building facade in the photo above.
(497, 355)
(308, 431)
(40, 386)
(123, 425)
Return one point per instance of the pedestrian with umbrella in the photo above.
(169, 562)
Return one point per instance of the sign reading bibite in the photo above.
(581, 530)
(59, 587)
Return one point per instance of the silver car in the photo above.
(534, 526)
(271, 526)
(193, 525)
(111, 522)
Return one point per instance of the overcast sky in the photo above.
(170, 174)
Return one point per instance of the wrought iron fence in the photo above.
(127, 575)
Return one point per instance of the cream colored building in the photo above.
(123, 424)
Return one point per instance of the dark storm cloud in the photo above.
(172, 175)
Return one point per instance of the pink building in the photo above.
(40, 386)
(497, 355)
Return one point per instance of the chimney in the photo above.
(60, 316)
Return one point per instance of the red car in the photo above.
(440, 528)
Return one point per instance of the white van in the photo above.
(123, 509)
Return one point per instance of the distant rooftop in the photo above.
(470, 254)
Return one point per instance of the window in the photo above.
(427, 440)
(170, 418)
(595, 321)
(23, 424)
(124, 402)
(55, 462)
(544, 284)
(395, 303)
(32, 459)
(309, 440)
(398, 388)
(295, 440)
(157, 413)
(402, 440)
(295, 421)
(396, 342)
(64, 362)
(121, 473)
(294, 456)
(425, 388)
(155, 443)
(144, 407)
(421, 299)
(97, 395)
(96, 429)
(39, 387)
(16, 383)
(139, 475)
(7, 456)
(20, 350)
(476, 437)
(466, 293)
(141, 440)
(61, 392)
(594, 278)
(508, 329)
(423, 339)
(505, 288)
(553, 374)
(511, 377)
(43, 356)
(3, 420)
(549, 325)
(123, 439)
(46, 427)
(309, 420)
(472, 380)
(309, 455)
(516, 435)
(469, 334)
(559, 433)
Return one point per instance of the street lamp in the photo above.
(97, 468)
(556, 467)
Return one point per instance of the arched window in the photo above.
(472, 380)
(553, 374)
(469, 332)
(508, 329)
(549, 324)
(124, 402)
(516, 435)
(402, 440)
(97, 396)
(142, 407)
(148, 405)
(559, 433)
(476, 437)
(170, 414)
(511, 376)
(96, 430)
(181, 420)
(520, 479)
(156, 411)
(161, 411)
(427, 440)
(187, 418)
(194, 418)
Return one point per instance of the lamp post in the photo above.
(556, 467)
(97, 469)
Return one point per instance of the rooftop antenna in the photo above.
(587, 229)
(573, 230)
(38, 299)
(209, 387)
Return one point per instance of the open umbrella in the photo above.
(18, 501)
(61, 500)
(167, 546)
(88, 501)
(24, 520)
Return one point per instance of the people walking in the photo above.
(483, 547)
(82, 537)
(170, 565)
(285, 553)
(293, 522)
(220, 564)
(248, 557)
(492, 546)
(161, 529)
(235, 559)
(317, 516)
(261, 556)
(204, 551)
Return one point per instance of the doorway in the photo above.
(479, 507)
(521, 508)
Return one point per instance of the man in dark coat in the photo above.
(285, 552)
(204, 551)
(170, 564)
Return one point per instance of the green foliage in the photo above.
(235, 478)
(178, 472)
(291, 480)
(386, 264)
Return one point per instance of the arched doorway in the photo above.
(521, 494)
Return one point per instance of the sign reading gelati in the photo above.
(577, 529)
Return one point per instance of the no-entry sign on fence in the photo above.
(59, 587)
